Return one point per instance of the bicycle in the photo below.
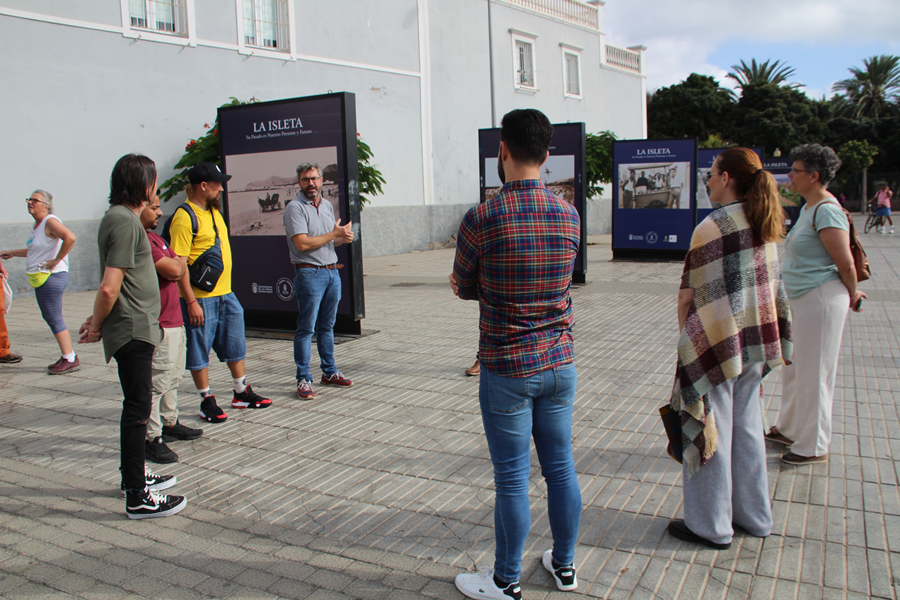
(871, 220)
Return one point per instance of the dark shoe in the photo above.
(564, 575)
(10, 359)
(63, 366)
(155, 482)
(795, 459)
(210, 411)
(474, 369)
(773, 435)
(337, 379)
(148, 505)
(250, 399)
(157, 451)
(180, 432)
(679, 530)
(305, 390)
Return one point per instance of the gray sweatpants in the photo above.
(732, 487)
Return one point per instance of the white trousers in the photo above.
(732, 488)
(168, 369)
(807, 387)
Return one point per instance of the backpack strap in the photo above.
(816, 211)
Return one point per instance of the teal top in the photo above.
(807, 264)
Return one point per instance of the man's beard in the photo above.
(215, 202)
(313, 197)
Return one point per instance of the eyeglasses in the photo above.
(30, 200)
(305, 180)
(801, 171)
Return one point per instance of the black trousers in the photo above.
(134, 360)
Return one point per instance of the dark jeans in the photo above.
(134, 360)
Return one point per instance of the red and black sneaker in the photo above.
(250, 399)
(336, 379)
(210, 411)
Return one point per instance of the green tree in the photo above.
(774, 116)
(715, 141)
(762, 73)
(599, 160)
(696, 107)
(857, 156)
(872, 92)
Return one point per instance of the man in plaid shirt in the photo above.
(515, 255)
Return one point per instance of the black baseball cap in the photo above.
(206, 171)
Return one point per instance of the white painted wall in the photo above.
(78, 94)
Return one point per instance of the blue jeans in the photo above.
(222, 331)
(318, 292)
(513, 409)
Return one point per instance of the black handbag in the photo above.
(209, 266)
(672, 423)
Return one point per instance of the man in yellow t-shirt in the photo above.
(212, 320)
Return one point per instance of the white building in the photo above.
(86, 82)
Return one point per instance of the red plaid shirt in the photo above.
(515, 254)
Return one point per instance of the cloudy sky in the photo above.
(820, 39)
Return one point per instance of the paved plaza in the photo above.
(384, 489)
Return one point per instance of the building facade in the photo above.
(86, 82)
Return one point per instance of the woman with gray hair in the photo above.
(47, 266)
(820, 280)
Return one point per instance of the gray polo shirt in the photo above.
(302, 216)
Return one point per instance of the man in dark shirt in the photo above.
(171, 353)
(126, 318)
(515, 255)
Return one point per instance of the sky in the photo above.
(820, 39)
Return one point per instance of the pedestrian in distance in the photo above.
(731, 300)
(820, 280)
(6, 357)
(47, 264)
(882, 200)
(126, 319)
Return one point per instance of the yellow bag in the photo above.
(38, 279)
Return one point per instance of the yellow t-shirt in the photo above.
(181, 234)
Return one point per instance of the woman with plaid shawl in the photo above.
(735, 327)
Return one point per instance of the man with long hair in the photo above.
(126, 319)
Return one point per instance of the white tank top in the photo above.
(42, 248)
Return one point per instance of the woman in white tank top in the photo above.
(47, 266)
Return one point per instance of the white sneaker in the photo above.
(564, 576)
(891, 231)
(481, 586)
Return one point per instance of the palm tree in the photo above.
(762, 73)
(874, 91)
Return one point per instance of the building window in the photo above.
(525, 63)
(572, 74)
(266, 24)
(159, 15)
(524, 55)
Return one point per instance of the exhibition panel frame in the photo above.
(261, 145)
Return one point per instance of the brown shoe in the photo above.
(789, 458)
(773, 435)
(10, 359)
(474, 369)
(63, 366)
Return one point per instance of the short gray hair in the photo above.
(821, 159)
(304, 167)
(48, 198)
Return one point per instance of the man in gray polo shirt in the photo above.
(312, 233)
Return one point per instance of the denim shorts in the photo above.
(222, 331)
(883, 211)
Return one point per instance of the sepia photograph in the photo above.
(263, 184)
(557, 174)
(657, 185)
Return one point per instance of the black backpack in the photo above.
(195, 225)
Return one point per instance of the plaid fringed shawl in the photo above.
(740, 315)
